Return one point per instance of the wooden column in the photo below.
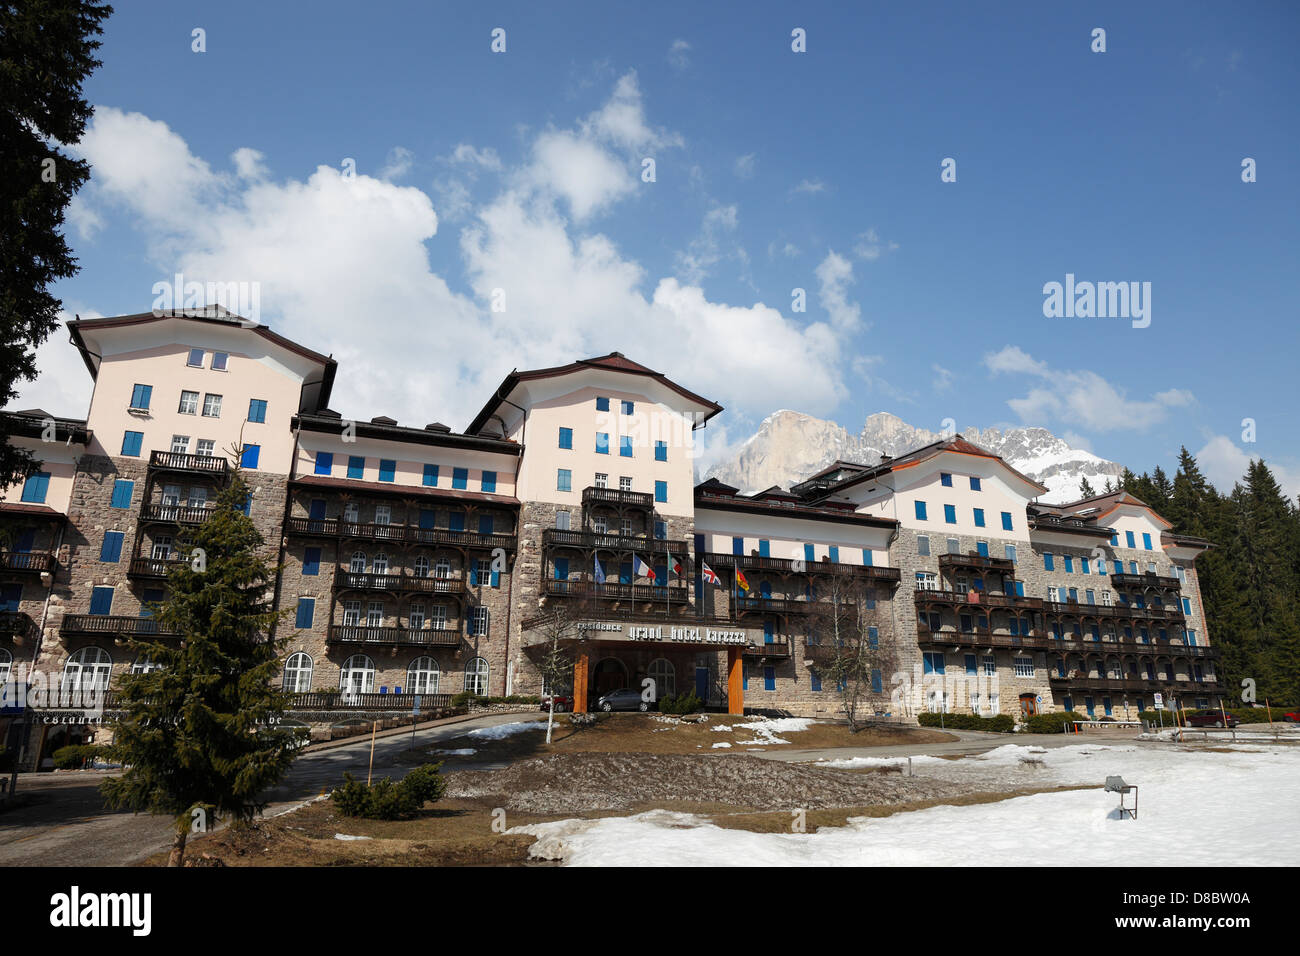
(735, 680)
(580, 668)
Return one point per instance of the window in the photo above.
(1049, 562)
(974, 484)
(162, 548)
(602, 480)
(351, 613)
(357, 676)
(195, 359)
(982, 548)
(358, 562)
(927, 581)
(387, 469)
(211, 406)
(661, 451)
(945, 479)
(205, 447)
(602, 403)
(324, 462)
(431, 476)
(934, 662)
(476, 671)
(625, 446)
(415, 613)
(979, 517)
(111, 550)
(36, 487)
(920, 510)
(1024, 666)
(602, 443)
(356, 466)
(923, 545)
(1084, 566)
(306, 612)
(661, 530)
(180, 444)
(1010, 551)
(297, 673)
(489, 482)
(257, 410)
(375, 614)
(814, 680)
(478, 620)
(189, 403)
(1090, 596)
(1128, 539)
(661, 491)
(131, 442)
(624, 483)
(954, 546)
(140, 396)
(1069, 563)
(460, 478)
(1006, 521)
(1146, 541)
(664, 675)
(422, 676)
(101, 601)
(219, 361)
(563, 479)
(422, 566)
(89, 668)
(123, 489)
(311, 562)
(877, 681)
(562, 520)
(442, 569)
(566, 437)
(873, 636)
(248, 459)
(628, 407)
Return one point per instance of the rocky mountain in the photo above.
(789, 446)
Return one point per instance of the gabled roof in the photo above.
(1100, 507)
(614, 362)
(385, 429)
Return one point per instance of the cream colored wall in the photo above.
(787, 536)
(56, 458)
(410, 458)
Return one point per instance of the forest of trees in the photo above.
(1250, 578)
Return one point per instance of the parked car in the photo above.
(562, 702)
(1211, 720)
(623, 699)
(1294, 717)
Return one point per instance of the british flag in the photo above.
(708, 574)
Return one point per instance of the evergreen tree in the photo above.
(46, 52)
(1085, 489)
(199, 735)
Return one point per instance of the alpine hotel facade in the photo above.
(423, 560)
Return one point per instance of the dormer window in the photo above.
(219, 360)
(196, 358)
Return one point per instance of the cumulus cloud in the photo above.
(62, 386)
(679, 55)
(1224, 463)
(870, 246)
(706, 250)
(835, 275)
(745, 165)
(397, 165)
(1082, 398)
(810, 186)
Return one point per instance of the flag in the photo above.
(675, 565)
(600, 573)
(741, 582)
(641, 568)
(709, 574)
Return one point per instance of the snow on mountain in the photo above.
(789, 446)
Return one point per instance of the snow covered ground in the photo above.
(500, 731)
(1196, 807)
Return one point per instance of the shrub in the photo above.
(686, 703)
(1056, 722)
(386, 800)
(76, 756)
(1001, 724)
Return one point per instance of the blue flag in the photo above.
(600, 575)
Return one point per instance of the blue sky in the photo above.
(775, 170)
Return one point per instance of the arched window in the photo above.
(422, 676)
(144, 665)
(422, 566)
(476, 677)
(6, 662)
(88, 667)
(297, 673)
(664, 676)
(442, 569)
(380, 564)
(357, 675)
(358, 565)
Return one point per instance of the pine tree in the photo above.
(1085, 489)
(199, 735)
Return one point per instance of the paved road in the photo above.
(65, 824)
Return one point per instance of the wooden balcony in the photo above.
(772, 605)
(614, 591)
(26, 562)
(595, 541)
(209, 465)
(318, 700)
(775, 650)
(393, 636)
(613, 497)
(979, 561)
(398, 581)
(1145, 580)
(398, 534)
(980, 638)
(15, 624)
(176, 514)
(117, 625)
(977, 599)
(760, 563)
(150, 568)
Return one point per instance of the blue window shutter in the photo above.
(111, 550)
(1128, 539)
(945, 479)
(1069, 564)
(602, 443)
(489, 482)
(809, 553)
(25, 541)
(35, 488)
(456, 521)
(356, 466)
(311, 562)
(920, 510)
(250, 456)
(316, 510)
(625, 573)
(867, 557)
(387, 469)
(769, 678)
(661, 451)
(602, 403)
(979, 517)
(764, 548)
(661, 491)
(873, 637)
(737, 545)
(561, 569)
(982, 549)
(257, 410)
(1006, 521)
(460, 478)
(101, 601)
(324, 462)
(625, 446)
(496, 579)
(431, 475)
(123, 489)
(1049, 563)
(1114, 540)
(248, 504)
(877, 681)
(769, 632)
(485, 524)
(950, 514)
(306, 611)
(566, 437)
(473, 575)
(974, 484)
(744, 677)
(141, 395)
(834, 553)
(815, 679)
(1146, 541)
(131, 442)
(1119, 567)
(1020, 589)
(427, 516)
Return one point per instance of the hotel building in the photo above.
(421, 560)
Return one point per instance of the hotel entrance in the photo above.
(609, 674)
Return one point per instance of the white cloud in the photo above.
(870, 246)
(83, 218)
(835, 274)
(465, 154)
(248, 163)
(678, 55)
(745, 166)
(397, 165)
(705, 250)
(810, 186)
(62, 386)
(942, 377)
(1082, 397)
(1224, 463)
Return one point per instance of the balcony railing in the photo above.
(615, 591)
(32, 562)
(150, 568)
(774, 605)
(115, 624)
(1127, 611)
(776, 649)
(755, 562)
(397, 636)
(1144, 580)
(982, 561)
(396, 581)
(317, 700)
(978, 599)
(176, 514)
(981, 638)
(195, 464)
(592, 540)
(399, 533)
(613, 496)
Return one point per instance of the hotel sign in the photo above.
(610, 630)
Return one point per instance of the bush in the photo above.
(386, 800)
(465, 698)
(1001, 724)
(686, 703)
(1056, 722)
(76, 756)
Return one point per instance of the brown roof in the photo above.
(18, 507)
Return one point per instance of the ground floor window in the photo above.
(664, 676)
(476, 677)
(422, 676)
(88, 667)
(297, 673)
(1024, 666)
(357, 675)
